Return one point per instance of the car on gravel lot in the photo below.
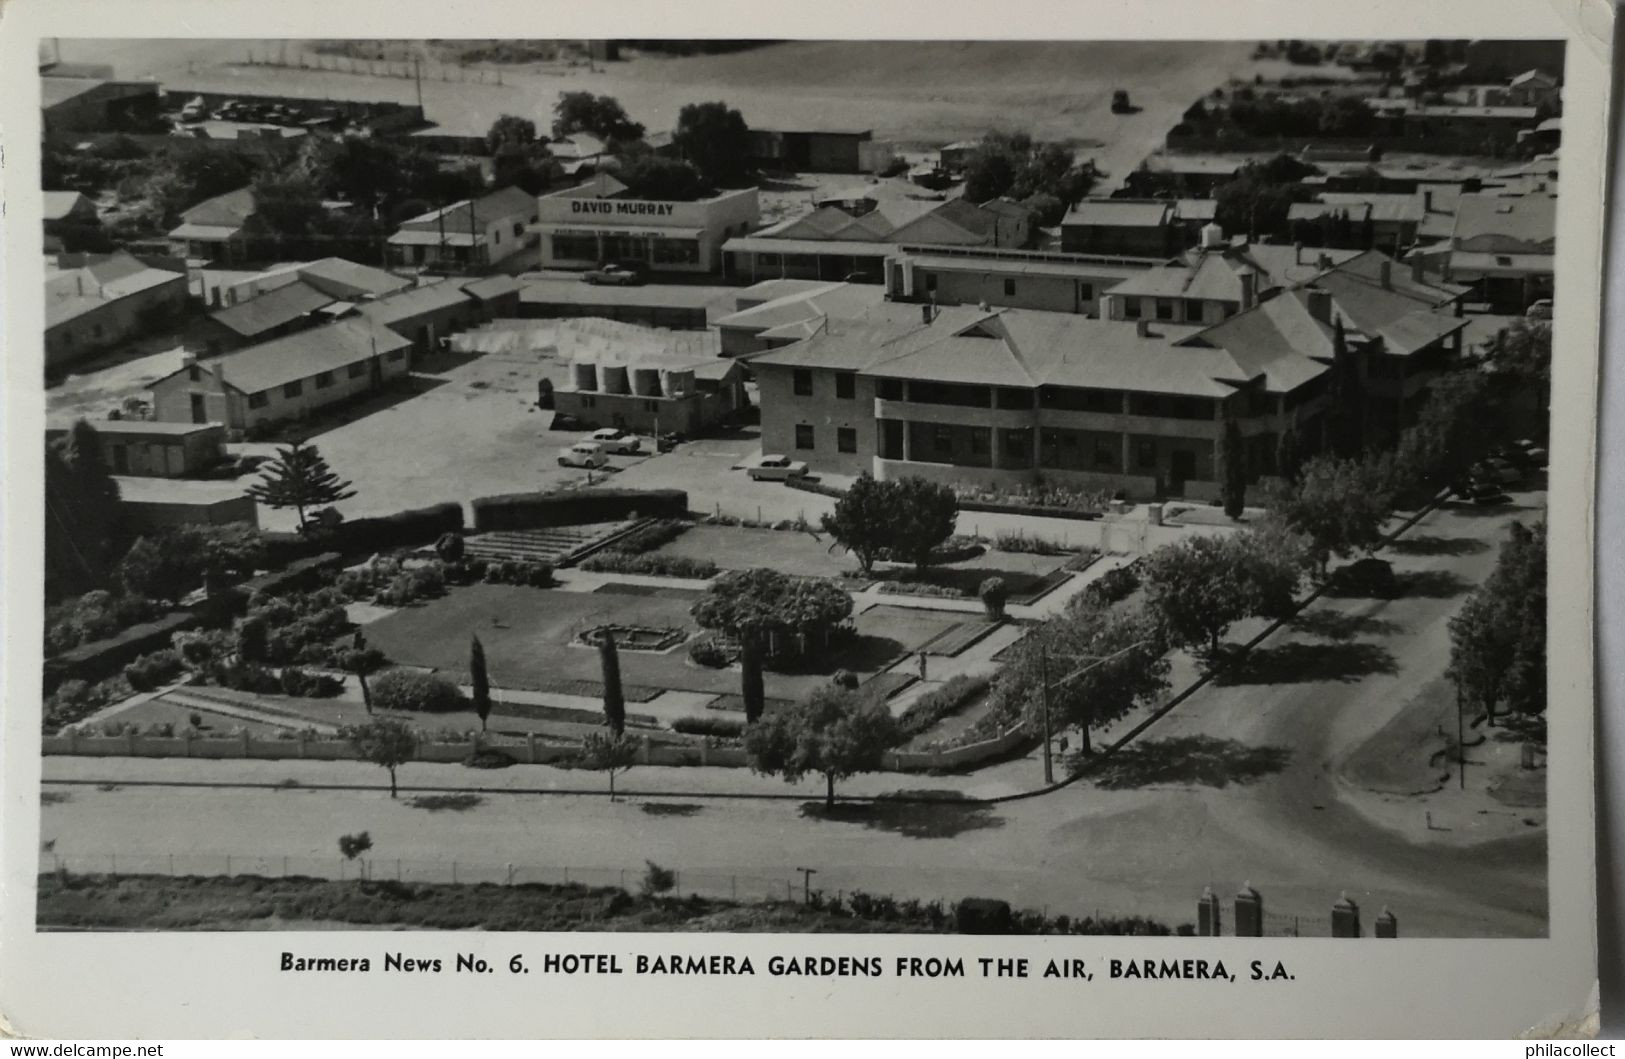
(615, 440)
(583, 454)
(1496, 470)
(776, 469)
(1367, 578)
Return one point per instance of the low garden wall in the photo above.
(530, 751)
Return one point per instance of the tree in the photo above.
(752, 689)
(862, 520)
(1347, 400)
(773, 609)
(602, 116)
(1100, 664)
(1272, 559)
(169, 563)
(1288, 455)
(1498, 638)
(609, 752)
(84, 520)
(387, 743)
(1233, 466)
(1453, 430)
(287, 205)
(994, 593)
(299, 478)
(989, 173)
(479, 679)
(925, 516)
(509, 131)
(609, 661)
(714, 138)
(1197, 589)
(834, 732)
(652, 176)
(1339, 505)
(365, 170)
(352, 846)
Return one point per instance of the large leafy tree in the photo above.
(84, 524)
(603, 116)
(169, 563)
(1196, 589)
(288, 205)
(1339, 505)
(1454, 429)
(863, 519)
(1498, 638)
(1100, 663)
(716, 140)
(767, 607)
(1046, 177)
(299, 478)
(386, 743)
(651, 176)
(925, 516)
(834, 732)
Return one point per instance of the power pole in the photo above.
(417, 76)
(1043, 679)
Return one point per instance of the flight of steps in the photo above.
(560, 545)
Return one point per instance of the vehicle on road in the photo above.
(1496, 470)
(776, 469)
(667, 442)
(1540, 310)
(1479, 491)
(1120, 103)
(613, 276)
(617, 441)
(583, 454)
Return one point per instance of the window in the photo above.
(575, 248)
(931, 282)
(845, 385)
(324, 380)
(1009, 287)
(1193, 308)
(1147, 454)
(496, 237)
(395, 354)
(1131, 308)
(846, 439)
(258, 400)
(676, 251)
(889, 389)
(1007, 397)
(294, 389)
(804, 436)
(358, 369)
(194, 373)
(1165, 309)
(942, 438)
(588, 401)
(981, 441)
(1086, 292)
(801, 382)
(518, 229)
(1105, 453)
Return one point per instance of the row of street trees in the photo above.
(1498, 638)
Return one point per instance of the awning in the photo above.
(205, 233)
(412, 238)
(591, 231)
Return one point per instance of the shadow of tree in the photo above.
(861, 653)
(1298, 663)
(670, 808)
(455, 803)
(1432, 584)
(947, 814)
(1335, 625)
(1430, 544)
(1199, 760)
(54, 797)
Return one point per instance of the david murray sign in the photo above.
(621, 208)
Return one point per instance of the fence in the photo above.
(403, 69)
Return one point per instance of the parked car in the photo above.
(1479, 491)
(1120, 103)
(1369, 578)
(1496, 470)
(583, 454)
(613, 276)
(667, 442)
(776, 469)
(614, 440)
(1540, 310)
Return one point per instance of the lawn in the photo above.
(158, 711)
(738, 548)
(1026, 576)
(528, 635)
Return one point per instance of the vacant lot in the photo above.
(529, 636)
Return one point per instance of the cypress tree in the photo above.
(1233, 460)
(614, 699)
(480, 679)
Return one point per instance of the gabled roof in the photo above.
(840, 300)
(481, 212)
(231, 210)
(347, 279)
(1528, 218)
(60, 205)
(1279, 339)
(408, 303)
(1120, 213)
(73, 292)
(306, 353)
(273, 309)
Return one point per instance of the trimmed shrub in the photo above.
(1114, 585)
(400, 530)
(652, 535)
(449, 547)
(490, 758)
(465, 571)
(920, 588)
(247, 676)
(650, 565)
(845, 678)
(517, 572)
(938, 703)
(1030, 544)
(722, 727)
(154, 670)
(300, 684)
(994, 594)
(709, 651)
(404, 689)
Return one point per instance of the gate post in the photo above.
(1345, 918)
(1249, 912)
(1207, 914)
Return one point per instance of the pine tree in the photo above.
(614, 698)
(299, 478)
(480, 679)
(1233, 465)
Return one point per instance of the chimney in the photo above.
(1323, 261)
(188, 359)
(1249, 288)
(1320, 305)
(1386, 272)
(1427, 200)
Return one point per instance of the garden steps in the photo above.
(559, 545)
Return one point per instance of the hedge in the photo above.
(521, 511)
(403, 529)
(104, 658)
(408, 690)
(722, 727)
(938, 703)
(650, 565)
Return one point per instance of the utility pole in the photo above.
(1043, 679)
(417, 76)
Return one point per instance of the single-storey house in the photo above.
(214, 231)
(106, 300)
(149, 448)
(467, 234)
